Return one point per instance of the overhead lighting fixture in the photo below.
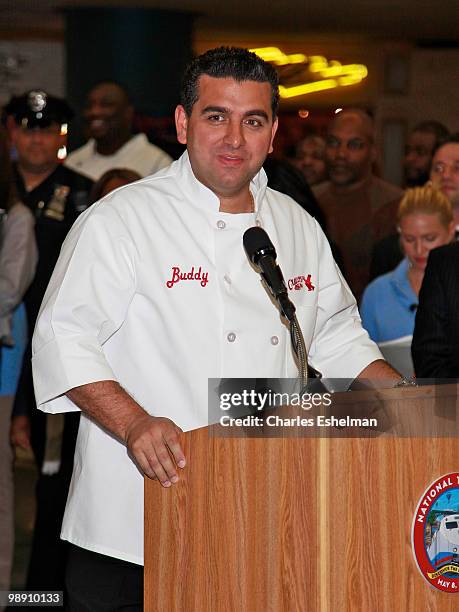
(323, 74)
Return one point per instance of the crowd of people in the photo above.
(380, 236)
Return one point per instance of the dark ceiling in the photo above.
(411, 20)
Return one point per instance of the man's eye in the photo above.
(253, 122)
(332, 142)
(355, 145)
(439, 168)
(215, 118)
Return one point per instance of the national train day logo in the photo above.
(435, 534)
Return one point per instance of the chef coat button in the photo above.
(274, 340)
(221, 224)
(227, 279)
(258, 223)
(40, 204)
(231, 337)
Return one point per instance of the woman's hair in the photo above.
(7, 185)
(125, 174)
(427, 200)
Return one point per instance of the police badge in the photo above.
(56, 207)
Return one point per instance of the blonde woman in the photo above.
(389, 303)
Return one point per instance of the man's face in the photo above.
(37, 148)
(310, 160)
(445, 169)
(229, 133)
(349, 151)
(418, 157)
(107, 112)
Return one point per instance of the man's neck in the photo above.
(343, 189)
(241, 203)
(33, 178)
(110, 147)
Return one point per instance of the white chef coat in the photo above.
(109, 314)
(136, 154)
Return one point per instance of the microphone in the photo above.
(261, 252)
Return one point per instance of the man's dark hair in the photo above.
(436, 128)
(228, 62)
(451, 139)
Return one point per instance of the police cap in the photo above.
(38, 109)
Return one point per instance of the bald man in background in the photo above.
(108, 116)
(359, 207)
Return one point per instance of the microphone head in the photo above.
(257, 243)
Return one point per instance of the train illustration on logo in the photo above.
(444, 548)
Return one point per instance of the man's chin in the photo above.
(39, 167)
(414, 179)
(99, 135)
(341, 179)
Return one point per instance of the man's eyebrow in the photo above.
(222, 109)
(214, 109)
(257, 112)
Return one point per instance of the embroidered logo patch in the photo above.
(195, 274)
(435, 534)
(300, 282)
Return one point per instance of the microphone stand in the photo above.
(296, 336)
(299, 348)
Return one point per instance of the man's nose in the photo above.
(341, 150)
(37, 135)
(234, 134)
(93, 109)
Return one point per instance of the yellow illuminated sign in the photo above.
(325, 74)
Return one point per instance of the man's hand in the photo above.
(20, 432)
(151, 441)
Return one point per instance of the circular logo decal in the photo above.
(435, 534)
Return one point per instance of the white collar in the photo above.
(203, 197)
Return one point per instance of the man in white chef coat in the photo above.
(153, 294)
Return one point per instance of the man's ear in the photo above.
(12, 132)
(130, 112)
(181, 124)
(273, 133)
(373, 153)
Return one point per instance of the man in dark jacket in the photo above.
(435, 345)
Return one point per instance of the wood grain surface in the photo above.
(293, 524)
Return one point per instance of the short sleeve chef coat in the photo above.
(153, 289)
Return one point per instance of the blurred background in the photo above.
(397, 59)
(406, 53)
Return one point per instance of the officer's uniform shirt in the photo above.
(114, 310)
(55, 203)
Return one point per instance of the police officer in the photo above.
(56, 195)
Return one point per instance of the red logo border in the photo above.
(417, 538)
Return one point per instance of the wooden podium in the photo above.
(299, 523)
